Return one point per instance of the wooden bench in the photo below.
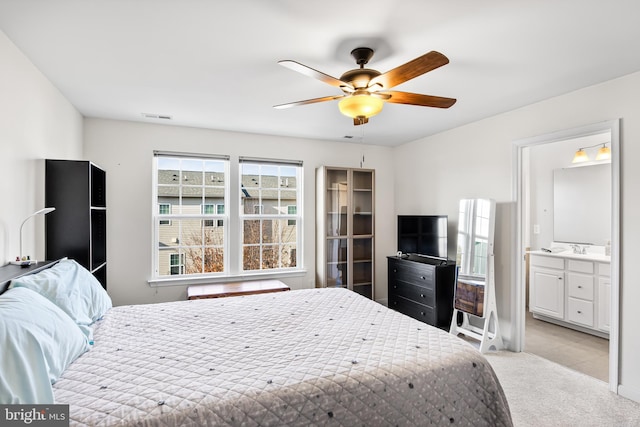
(235, 289)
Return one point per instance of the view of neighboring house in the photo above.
(195, 242)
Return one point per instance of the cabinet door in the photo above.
(604, 303)
(337, 271)
(363, 266)
(362, 203)
(337, 198)
(547, 292)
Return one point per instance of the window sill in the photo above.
(204, 279)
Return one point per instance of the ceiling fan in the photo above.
(365, 90)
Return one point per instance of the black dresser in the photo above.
(422, 290)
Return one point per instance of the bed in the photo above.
(298, 358)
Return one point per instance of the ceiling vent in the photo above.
(156, 116)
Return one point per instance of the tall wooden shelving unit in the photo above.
(77, 229)
(345, 203)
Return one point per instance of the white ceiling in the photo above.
(213, 63)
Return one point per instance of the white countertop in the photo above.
(570, 255)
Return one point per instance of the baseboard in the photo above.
(631, 393)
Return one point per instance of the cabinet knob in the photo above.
(579, 312)
(395, 286)
(422, 277)
(395, 271)
(422, 313)
(579, 287)
(559, 278)
(421, 295)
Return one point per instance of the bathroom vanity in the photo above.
(571, 289)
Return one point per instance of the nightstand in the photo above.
(10, 271)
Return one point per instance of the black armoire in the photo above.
(77, 229)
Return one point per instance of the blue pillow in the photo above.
(72, 288)
(38, 342)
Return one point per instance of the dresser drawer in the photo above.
(422, 277)
(580, 286)
(413, 309)
(580, 266)
(419, 294)
(580, 311)
(547, 261)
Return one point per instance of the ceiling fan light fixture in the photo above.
(363, 105)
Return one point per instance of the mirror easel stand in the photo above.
(489, 334)
(475, 296)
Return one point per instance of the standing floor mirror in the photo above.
(475, 314)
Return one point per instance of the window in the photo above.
(220, 211)
(176, 263)
(269, 214)
(292, 210)
(164, 209)
(187, 191)
(200, 230)
(208, 210)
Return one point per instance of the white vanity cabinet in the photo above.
(571, 291)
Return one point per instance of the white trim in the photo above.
(279, 162)
(157, 153)
(629, 392)
(518, 275)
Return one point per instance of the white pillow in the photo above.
(72, 288)
(38, 342)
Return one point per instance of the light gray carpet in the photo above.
(543, 393)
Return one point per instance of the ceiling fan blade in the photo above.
(414, 68)
(418, 99)
(308, 101)
(310, 72)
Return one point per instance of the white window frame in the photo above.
(260, 215)
(230, 214)
(157, 218)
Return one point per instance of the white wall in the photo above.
(476, 161)
(125, 151)
(37, 123)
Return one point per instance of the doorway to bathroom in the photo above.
(566, 287)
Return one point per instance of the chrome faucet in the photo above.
(579, 250)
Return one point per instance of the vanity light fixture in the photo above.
(580, 156)
(604, 153)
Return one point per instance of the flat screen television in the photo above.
(423, 236)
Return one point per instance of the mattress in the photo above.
(298, 358)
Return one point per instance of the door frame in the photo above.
(518, 309)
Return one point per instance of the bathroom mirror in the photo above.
(474, 257)
(581, 204)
